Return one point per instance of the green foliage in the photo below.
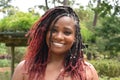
(86, 34)
(19, 53)
(107, 78)
(4, 63)
(106, 7)
(84, 15)
(3, 48)
(109, 68)
(108, 32)
(19, 22)
(5, 75)
(110, 35)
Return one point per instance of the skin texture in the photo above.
(63, 37)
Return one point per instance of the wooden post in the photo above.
(12, 60)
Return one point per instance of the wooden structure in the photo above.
(13, 39)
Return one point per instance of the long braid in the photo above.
(38, 52)
(74, 59)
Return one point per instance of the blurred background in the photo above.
(100, 28)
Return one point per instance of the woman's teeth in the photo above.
(58, 44)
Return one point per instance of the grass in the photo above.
(5, 75)
(5, 63)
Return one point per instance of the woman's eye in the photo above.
(67, 32)
(53, 30)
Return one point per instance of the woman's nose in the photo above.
(59, 36)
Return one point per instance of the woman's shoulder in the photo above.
(87, 64)
(90, 71)
(19, 70)
(20, 65)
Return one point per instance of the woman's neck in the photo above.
(56, 60)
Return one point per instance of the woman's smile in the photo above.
(56, 44)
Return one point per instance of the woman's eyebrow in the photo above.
(68, 28)
(54, 27)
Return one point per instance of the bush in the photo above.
(18, 22)
(4, 63)
(108, 78)
(110, 68)
(5, 75)
(19, 53)
(3, 49)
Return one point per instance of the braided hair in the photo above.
(37, 54)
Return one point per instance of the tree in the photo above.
(111, 34)
(104, 8)
(4, 5)
(53, 3)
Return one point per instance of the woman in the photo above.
(55, 49)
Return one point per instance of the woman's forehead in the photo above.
(66, 19)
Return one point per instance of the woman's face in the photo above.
(63, 35)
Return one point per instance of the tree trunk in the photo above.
(65, 2)
(96, 14)
(95, 19)
(46, 4)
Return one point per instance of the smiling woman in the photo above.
(55, 49)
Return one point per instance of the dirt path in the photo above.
(4, 69)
